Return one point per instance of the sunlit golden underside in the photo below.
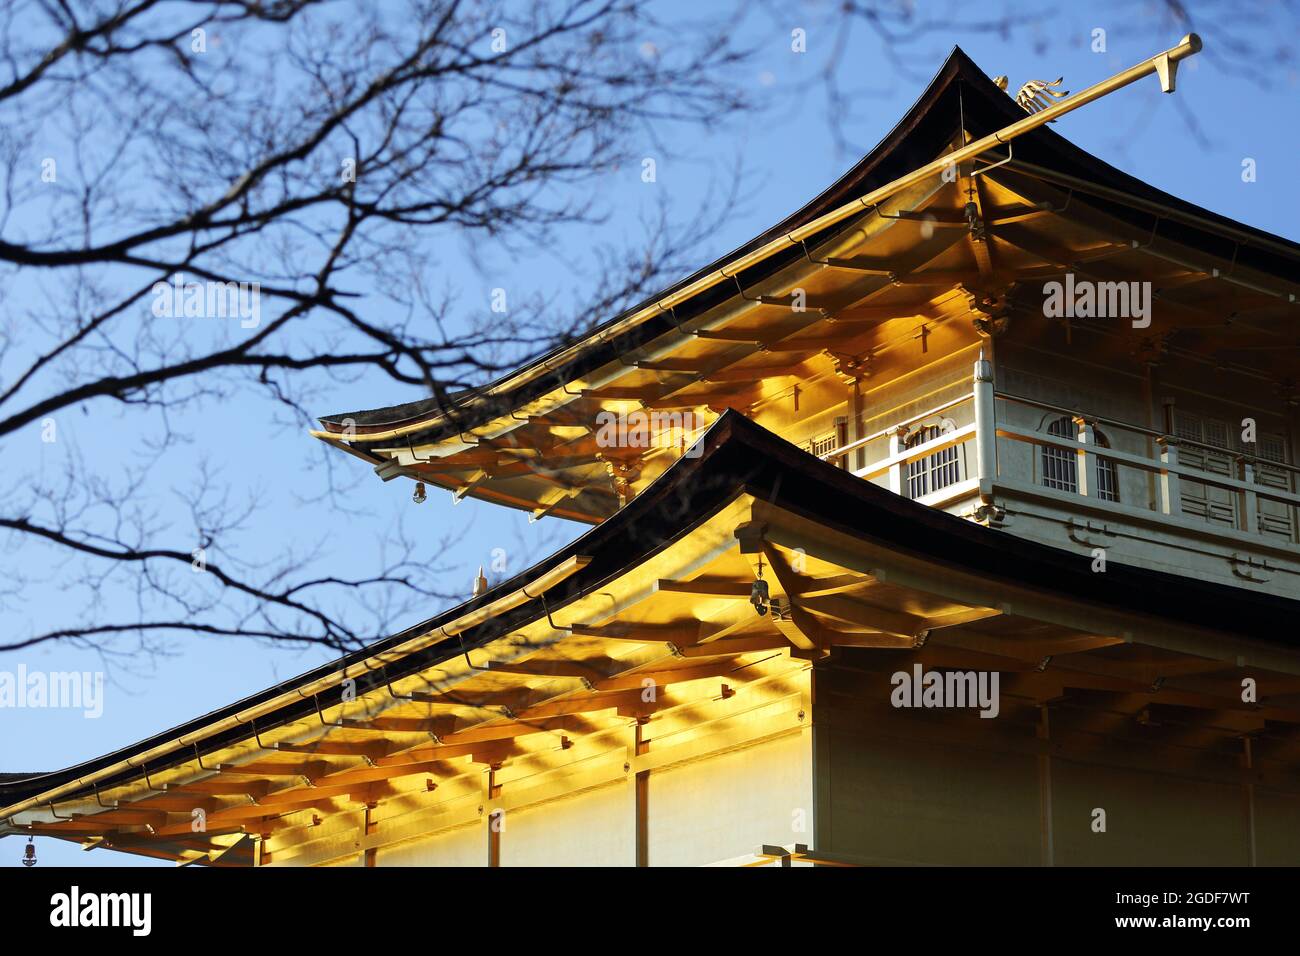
(883, 298)
(670, 662)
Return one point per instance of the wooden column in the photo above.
(642, 785)
(1086, 472)
(1249, 507)
(1046, 837)
(1248, 762)
(496, 823)
(857, 427)
(1171, 502)
(369, 826)
(897, 444)
(986, 428)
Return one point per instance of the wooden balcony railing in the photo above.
(1268, 512)
(1243, 489)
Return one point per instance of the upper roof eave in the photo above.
(857, 180)
(910, 143)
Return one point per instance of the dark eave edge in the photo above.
(739, 457)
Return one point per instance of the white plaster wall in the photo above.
(595, 828)
(725, 807)
(463, 846)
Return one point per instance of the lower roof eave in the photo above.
(738, 458)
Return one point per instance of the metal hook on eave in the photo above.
(1069, 197)
(671, 312)
(258, 737)
(1232, 266)
(465, 651)
(549, 620)
(1151, 239)
(1011, 150)
(817, 262)
(741, 289)
(393, 694)
(423, 696)
(198, 757)
(321, 714)
(411, 448)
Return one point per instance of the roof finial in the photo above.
(1034, 95)
(480, 582)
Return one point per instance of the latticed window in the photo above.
(1107, 473)
(1215, 504)
(827, 442)
(1218, 505)
(823, 444)
(1275, 517)
(1061, 465)
(933, 471)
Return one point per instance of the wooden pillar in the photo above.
(642, 784)
(897, 444)
(369, 826)
(496, 823)
(1249, 507)
(857, 427)
(842, 439)
(1171, 502)
(1248, 762)
(1086, 471)
(986, 428)
(496, 817)
(1150, 449)
(1047, 841)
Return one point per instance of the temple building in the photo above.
(952, 520)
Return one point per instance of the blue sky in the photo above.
(1191, 144)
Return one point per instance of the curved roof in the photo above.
(960, 94)
(738, 457)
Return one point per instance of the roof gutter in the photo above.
(1164, 64)
(529, 592)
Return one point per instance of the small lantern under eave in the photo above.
(759, 594)
(29, 852)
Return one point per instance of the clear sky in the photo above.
(1191, 144)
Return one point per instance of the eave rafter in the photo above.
(683, 644)
(1205, 302)
(527, 451)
